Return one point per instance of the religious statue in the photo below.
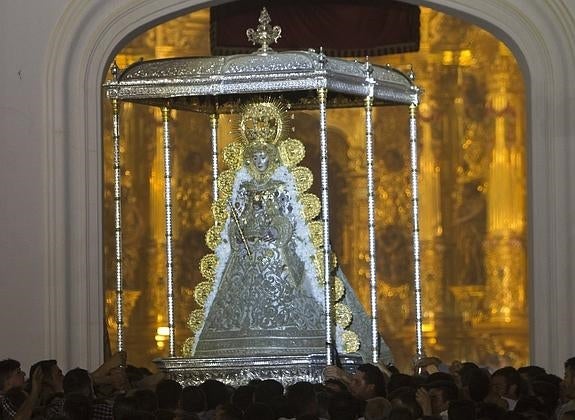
(264, 288)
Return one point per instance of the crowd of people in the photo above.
(462, 391)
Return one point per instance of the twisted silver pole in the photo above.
(416, 249)
(371, 225)
(322, 96)
(169, 235)
(214, 134)
(118, 225)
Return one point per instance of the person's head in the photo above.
(302, 399)
(377, 408)
(441, 393)
(461, 410)
(368, 382)
(398, 380)
(268, 390)
(343, 406)
(11, 375)
(405, 397)
(78, 381)
(78, 406)
(506, 382)
(193, 399)
(146, 400)
(53, 379)
(169, 394)
(476, 384)
(216, 393)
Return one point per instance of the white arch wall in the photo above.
(54, 55)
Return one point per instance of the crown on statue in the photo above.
(262, 122)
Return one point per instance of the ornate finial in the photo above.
(411, 74)
(265, 35)
(115, 70)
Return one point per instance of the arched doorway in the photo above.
(80, 60)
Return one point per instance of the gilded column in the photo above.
(504, 249)
(430, 223)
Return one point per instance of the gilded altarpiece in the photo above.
(472, 198)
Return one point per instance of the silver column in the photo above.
(169, 236)
(371, 220)
(214, 135)
(416, 251)
(118, 225)
(322, 96)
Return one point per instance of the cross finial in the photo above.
(264, 35)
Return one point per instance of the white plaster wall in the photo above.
(50, 247)
(25, 30)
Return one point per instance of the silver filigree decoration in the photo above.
(264, 35)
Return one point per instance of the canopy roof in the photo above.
(220, 84)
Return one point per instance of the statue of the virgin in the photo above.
(263, 293)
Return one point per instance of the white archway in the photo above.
(540, 34)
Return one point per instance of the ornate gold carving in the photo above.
(343, 315)
(292, 151)
(233, 155)
(303, 178)
(195, 320)
(350, 342)
(202, 291)
(311, 206)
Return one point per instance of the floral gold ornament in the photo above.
(221, 211)
(202, 291)
(338, 288)
(343, 315)
(350, 341)
(188, 346)
(213, 236)
(208, 265)
(292, 152)
(233, 154)
(303, 178)
(311, 206)
(225, 183)
(195, 320)
(316, 233)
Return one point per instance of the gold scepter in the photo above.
(237, 220)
